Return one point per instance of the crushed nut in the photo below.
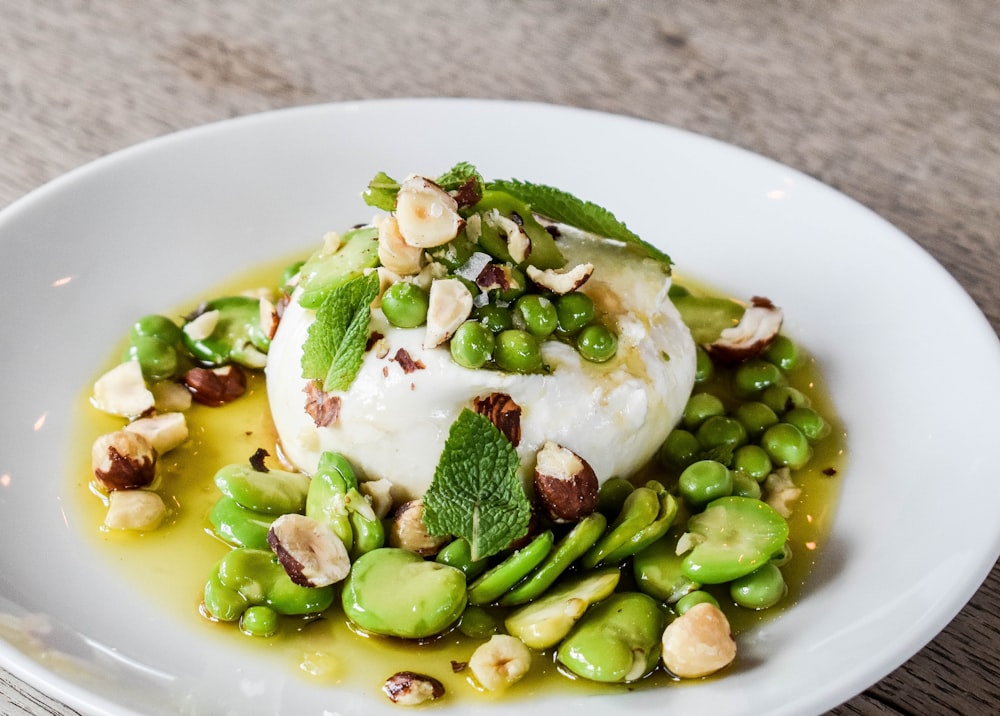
(503, 412)
(321, 406)
(561, 281)
(215, 386)
(760, 323)
(408, 688)
(123, 460)
(406, 361)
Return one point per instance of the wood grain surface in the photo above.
(896, 104)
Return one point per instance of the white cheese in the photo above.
(393, 425)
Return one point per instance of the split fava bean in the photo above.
(458, 554)
(646, 515)
(433, 599)
(731, 538)
(546, 621)
(239, 526)
(658, 573)
(497, 580)
(273, 492)
(237, 335)
(617, 640)
(249, 577)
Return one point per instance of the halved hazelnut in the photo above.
(395, 254)
(311, 553)
(408, 688)
(164, 432)
(448, 305)
(565, 484)
(135, 510)
(123, 460)
(216, 386)
(760, 323)
(518, 243)
(425, 213)
(561, 281)
(122, 391)
(409, 532)
(503, 412)
(699, 642)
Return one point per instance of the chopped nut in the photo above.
(122, 391)
(500, 662)
(171, 397)
(202, 326)
(427, 216)
(123, 460)
(216, 386)
(699, 642)
(379, 493)
(395, 254)
(448, 305)
(269, 317)
(504, 413)
(321, 406)
(408, 688)
(164, 432)
(406, 361)
(409, 532)
(518, 243)
(561, 281)
(760, 323)
(136, 510)
(781, 491)
(565, 484)
(311, 553)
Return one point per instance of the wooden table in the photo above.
(896, 104)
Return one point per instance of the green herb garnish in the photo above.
(476, 493)
(564, 208)
(382, 189)
(335, 346)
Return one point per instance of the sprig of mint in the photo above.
(475, 493)
(382, 189)
(564, 208)
(335, 345)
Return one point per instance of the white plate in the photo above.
(913, 365)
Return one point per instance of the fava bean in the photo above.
(497, 580)
(698, 596)
(640, 509)
(617, 640)
(158, 359)
(157, 326)
(374, 598)
(237, 335)
(458, 554)
(762, 588)
(239, 526)
(478, 623)
(273, 492)
(657, 571)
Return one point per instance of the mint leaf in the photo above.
(381, 192)
(335, 345)
(476, 493)
(458, 175)
(560, 206)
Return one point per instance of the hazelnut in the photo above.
(311, 553)
(408, 688)
(561, 281)
(122, 391)
(164, 431)
(565, 484)
(699, 642)
(426, 214)
(409, 532)
(123, 460)
(395, 254)
(449, 304)
(748, 338)
(135, 510)
(216, 386)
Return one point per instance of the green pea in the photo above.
(472, 345)
(574, 310)
(495, 318)
(612, 495)
(782, 398)
(721, 431)
(745, 486)
(545, 622)
(699, 408)
(704, 368)
(783, 352)
(405, 305)
(517, 352)
(704, 481)
(753, 461)
(732, 537)
(679, 449)
(458, 554)
(535, 314)
(259, 621)
(811, 423)
(754, 376)
(618, 640)
(786, 445)
(597, 343)
(157, 358)
(239, 526)
(762, 588)
(698, 596)
(156, 326)
(756, 417)
(657, 571)
(395, 592)
(478, 623)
